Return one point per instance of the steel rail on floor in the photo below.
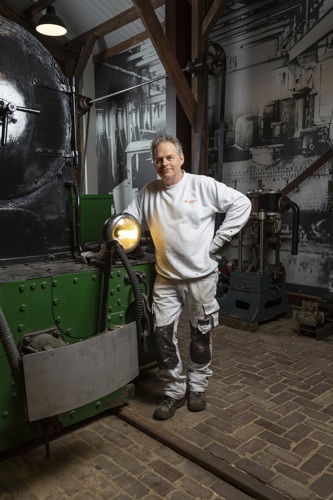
(242, 481)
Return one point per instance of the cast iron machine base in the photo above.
(252, 299)
(256, 290)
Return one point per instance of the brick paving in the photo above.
(269, 414)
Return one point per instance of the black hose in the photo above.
(139, 304)
(10, 349)
(76, 189)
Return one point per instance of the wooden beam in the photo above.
(113, 24)
(60, 52)
(170, 63)
(197, 47)
(88, 39)
(121, 47)
(213, 14)
(12, 14)
(37, 7)
(86, 51)
(179, 36)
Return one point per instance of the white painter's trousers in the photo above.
(170, 299)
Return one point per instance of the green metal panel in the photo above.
(76, 303)
(95, 210)
(72, 303)
(27, 306)
(14, 429)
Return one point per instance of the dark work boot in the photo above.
(167, 407)
(196, 401)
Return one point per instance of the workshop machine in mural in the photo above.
(133, 113)
(278, 123)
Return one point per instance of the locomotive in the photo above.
(73, 335)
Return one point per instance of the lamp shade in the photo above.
(50, 24)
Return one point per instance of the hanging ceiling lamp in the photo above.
(50, 24)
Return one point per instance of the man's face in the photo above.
(168, 163)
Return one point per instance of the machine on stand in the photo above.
(256, 289)
(315, 318)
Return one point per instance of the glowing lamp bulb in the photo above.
(125, 229)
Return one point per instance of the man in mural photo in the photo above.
(179, 210)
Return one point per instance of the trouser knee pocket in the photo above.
(200, 343)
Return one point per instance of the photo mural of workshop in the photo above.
(277, 123)
(269, 114)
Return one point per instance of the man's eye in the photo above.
(160, 160)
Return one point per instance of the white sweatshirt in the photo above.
(181, 220)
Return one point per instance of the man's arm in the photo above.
(236, 217)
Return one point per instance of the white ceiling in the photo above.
(81, 16)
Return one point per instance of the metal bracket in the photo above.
(61, 87)
(55, 153)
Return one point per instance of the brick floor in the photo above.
(269, 414)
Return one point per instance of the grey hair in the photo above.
(165, 138)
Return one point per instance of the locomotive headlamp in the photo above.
(125, 229)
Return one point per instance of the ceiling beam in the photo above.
(170, 63)
(86, 41)
(213, 14)
(83, 59)
(37, 7)
(199, 135)
(121, 47)
(113, 24)
(12, 14)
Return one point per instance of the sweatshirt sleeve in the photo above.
(135, 208)
(237, 208)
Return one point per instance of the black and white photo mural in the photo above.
(278, 121)
(127, 121)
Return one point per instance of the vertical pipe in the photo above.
(262, 217)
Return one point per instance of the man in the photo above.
(179, 210)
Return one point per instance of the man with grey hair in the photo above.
(179, 210)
